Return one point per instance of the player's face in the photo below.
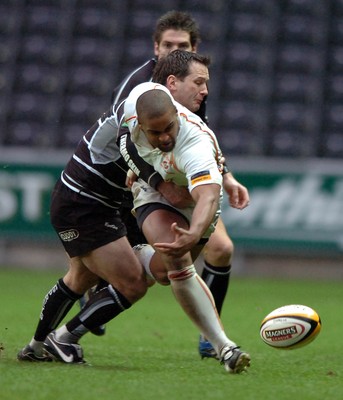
(162, 131)
(171, 40)
(191, 91)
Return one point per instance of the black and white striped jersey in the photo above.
(98, 167)
(97, 170)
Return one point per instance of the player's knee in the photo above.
(162, 278)
(133, 290)
(227, 248)
(220, 252)
(79, 281)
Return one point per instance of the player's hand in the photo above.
(238, 194)
(183, 243)
(221, 163)
(131, 177)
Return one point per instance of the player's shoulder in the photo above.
(194, 132)
(142, 73)
(191, 121)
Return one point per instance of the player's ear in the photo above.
(170, 82)
(156, 49)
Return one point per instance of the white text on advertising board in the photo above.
(291, 203)
(22, 194)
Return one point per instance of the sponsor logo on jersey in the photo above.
(200, 177)
(68, 236)
(125, 154)
(166, 163)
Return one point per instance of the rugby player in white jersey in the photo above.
(184, 151)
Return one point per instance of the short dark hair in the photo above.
(177, 63)
(153, 104)
(179, 21)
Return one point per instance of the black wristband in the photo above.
(225, 169)
(154, 180)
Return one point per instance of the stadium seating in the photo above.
(276, 84)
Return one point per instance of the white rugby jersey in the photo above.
(195, 158)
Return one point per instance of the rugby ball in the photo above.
(290, 327)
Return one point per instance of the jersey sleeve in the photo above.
(141, 74)
(199, 161)
(102, 144)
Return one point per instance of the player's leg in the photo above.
(117, 264)
(215, 266)
(190, 290)
(99, 330)
(80, 225)
(181, 271)
(135, 237)
(56, 304)
(218, 253)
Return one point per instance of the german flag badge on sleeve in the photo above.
(200, 177)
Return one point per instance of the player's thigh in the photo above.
(156, 226)
(117, 264)
(114, 259)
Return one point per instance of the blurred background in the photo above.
(276, 105)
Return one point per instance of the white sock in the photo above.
(144, 253)
(196, 300)
(63, 335)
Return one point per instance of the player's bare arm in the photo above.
(206, 198)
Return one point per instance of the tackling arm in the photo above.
(177, 196)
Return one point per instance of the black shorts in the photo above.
(143, 211)
(84, 224)
(134, 233)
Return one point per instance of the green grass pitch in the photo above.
(150, 351)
